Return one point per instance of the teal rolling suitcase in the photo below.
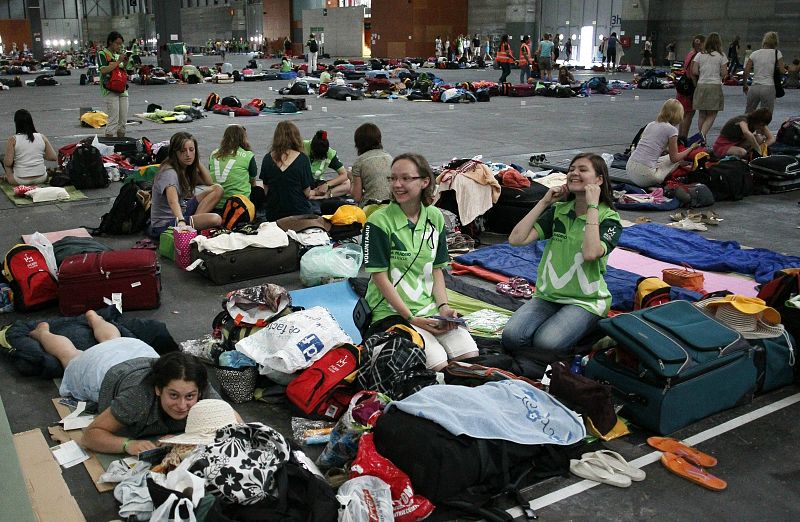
(674, 365)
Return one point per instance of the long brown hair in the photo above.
(713, 43)
(286, 137)
(601, 169)
(187, 176)
(425, 171)
(235, 137)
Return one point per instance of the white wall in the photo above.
(343, 28)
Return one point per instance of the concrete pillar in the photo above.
(168, 23)
(35, 19)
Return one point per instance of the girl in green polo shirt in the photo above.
(405, 249)
(582, 227)
(233, 165)
(323, 157)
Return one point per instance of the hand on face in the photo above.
(592, 193)
(557, 193)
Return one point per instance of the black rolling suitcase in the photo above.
(511, 207)
(247, 263)
(777, 173)
(124, 146)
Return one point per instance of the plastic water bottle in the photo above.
(576, 367)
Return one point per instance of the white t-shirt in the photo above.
(763, 65)
(653, 142)
(29, 157)
(709, 65)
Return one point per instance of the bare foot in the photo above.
(41, 329)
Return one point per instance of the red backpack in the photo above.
(33, 285)
(324, 390)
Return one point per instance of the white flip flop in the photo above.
(597, 470)
(617, 463)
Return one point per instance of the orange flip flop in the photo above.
(680, 449)
(682, 468)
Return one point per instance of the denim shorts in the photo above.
(191, 210)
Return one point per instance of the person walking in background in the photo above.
(437, 47)
(763, 62)
(313, 49)
(287, 48)
(116, 103)
(525, 59)
(611, 51)
(556, 49)
(505, 57)
(647, 53)
(671, 52)
(710, 68)
(487, 49)
(447, 49)
(545, 54)
(733, 56)
(686, 99)
(476, 46)
(568, 49)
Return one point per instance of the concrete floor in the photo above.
(758, 459)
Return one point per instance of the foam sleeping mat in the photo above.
(339, 298)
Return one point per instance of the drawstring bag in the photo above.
(182, 236)
(686, 277)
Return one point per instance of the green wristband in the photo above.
(596, 207)
(125, 445)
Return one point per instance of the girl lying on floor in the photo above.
(139, 394)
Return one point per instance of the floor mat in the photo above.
(8, 190)
(339, 298)
(713, 281)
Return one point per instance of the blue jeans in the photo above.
(524, 73)
(545, 332)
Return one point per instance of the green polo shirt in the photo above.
(234, 173)
(319, 166)
(103, 57)
(563, 276)
(392, 243)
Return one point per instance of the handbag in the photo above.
(117, 80)
(686, 277)
(777, 78)
(585, 395)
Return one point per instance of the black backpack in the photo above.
(299, 87)
(730, 180)
(85, 168)
(789, 133)
(446, 468)
(129, 214)
(45, 80)
(231, 101)
(313, 46)
(301, 497)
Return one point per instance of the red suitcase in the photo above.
(85, 279)
(523, 89)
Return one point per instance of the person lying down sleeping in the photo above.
(139, 394)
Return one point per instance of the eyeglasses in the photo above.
(404, 180)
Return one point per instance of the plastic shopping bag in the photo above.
(343, 444)
(326, 263)
(46, 248)
(407, 506)
(294, 341)
(365, 499)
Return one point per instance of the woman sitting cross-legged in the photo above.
(582, 228)
(175, 201)
(322, 157)
(139, 394)
(286, 173)
(405, 249)
(648, 166)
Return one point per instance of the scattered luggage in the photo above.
(85, 168)
(32, 284)
(776, 173)
(674, 365)
(124, 146)
(86, 280)
(129, 213)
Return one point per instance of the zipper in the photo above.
(676, 343)
(667, 386)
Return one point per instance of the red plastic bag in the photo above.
(407, 506)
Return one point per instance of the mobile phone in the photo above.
(457, 320)
(155, 455)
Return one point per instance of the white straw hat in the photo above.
(203, 421)
(746, 316)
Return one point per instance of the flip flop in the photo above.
(676, 447)
(617, 463)
(682, 468)
(522, 287)
(508, 289)
(598, 471)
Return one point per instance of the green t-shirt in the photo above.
(319, 166)
(563, 276)
(392, 243)
(286, 66)
(234, 173)
(102, 61)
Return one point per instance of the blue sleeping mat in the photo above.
(683, 246)
(524, 262)
(338, 298)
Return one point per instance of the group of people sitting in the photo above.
(741, 136)
(295, 175)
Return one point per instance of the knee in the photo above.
(215, 220)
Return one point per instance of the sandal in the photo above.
(598, 471)
(146, 244)
(710, 218)
(522, 286)
(676, 447)
(508, 289)
(682, 468)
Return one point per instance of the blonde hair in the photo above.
(671, 112)
(770, 40)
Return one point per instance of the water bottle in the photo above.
(576, 367)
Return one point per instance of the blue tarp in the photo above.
(339, 298)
